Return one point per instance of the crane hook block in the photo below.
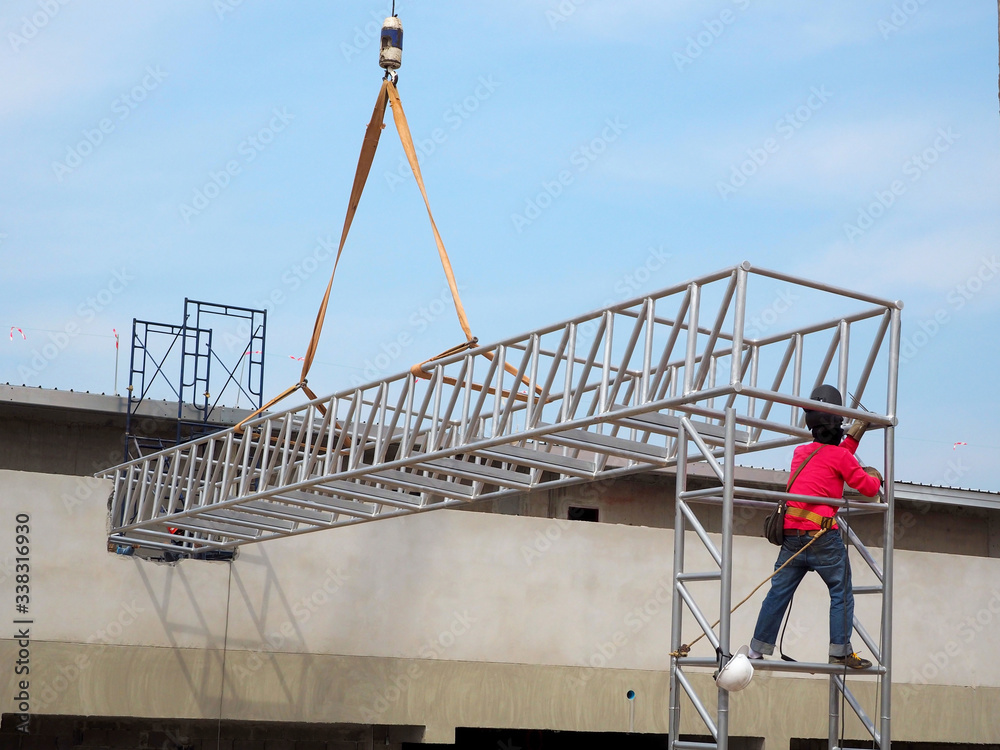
(391, 54)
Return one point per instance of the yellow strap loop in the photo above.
(411, 156)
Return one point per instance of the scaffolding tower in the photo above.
(708, 370)
(176, 360)
(729, 495)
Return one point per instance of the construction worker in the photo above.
(819, 469)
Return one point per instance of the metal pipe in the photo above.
(501, 376)
(587, 367)
(768, 665)
(845, 352)
(841, 686)
(867, 638)
(659, 386)
(720, 320)
(703, 447)
(698, 615)
(796, 376)
(822, 287)
(833, 725)
(692, 694)
(609, 328)
(726, 585)
(868, 590)
(621, 372)
(864, 552)
(700, 531)
(859, 389)
(676, 605)
(647, 351)
(739, 315)
(532, 385)
(694, 292)
(709, 576)
(807, 403)
(890, 520)
(831, 351)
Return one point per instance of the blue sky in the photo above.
(115, 115)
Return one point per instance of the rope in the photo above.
(686, 648)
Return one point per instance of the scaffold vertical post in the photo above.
(834, 728)
(890, 526)
(676, 603)
(739, 314)
(726, 587)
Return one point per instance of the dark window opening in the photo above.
(582, 514)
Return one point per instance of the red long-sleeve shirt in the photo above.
(824, 476)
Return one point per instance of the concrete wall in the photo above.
(648, 500)
(63, 432)
(452, 619)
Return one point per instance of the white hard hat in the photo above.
(737, 673)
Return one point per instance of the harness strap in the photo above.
(824, 522)
(788, 487)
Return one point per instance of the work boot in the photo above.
(851, 660)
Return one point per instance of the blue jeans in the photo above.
(828, 557)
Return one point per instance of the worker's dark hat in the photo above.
(826, 394)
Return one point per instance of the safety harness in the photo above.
(824, 522)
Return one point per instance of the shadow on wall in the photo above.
(175, 586)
